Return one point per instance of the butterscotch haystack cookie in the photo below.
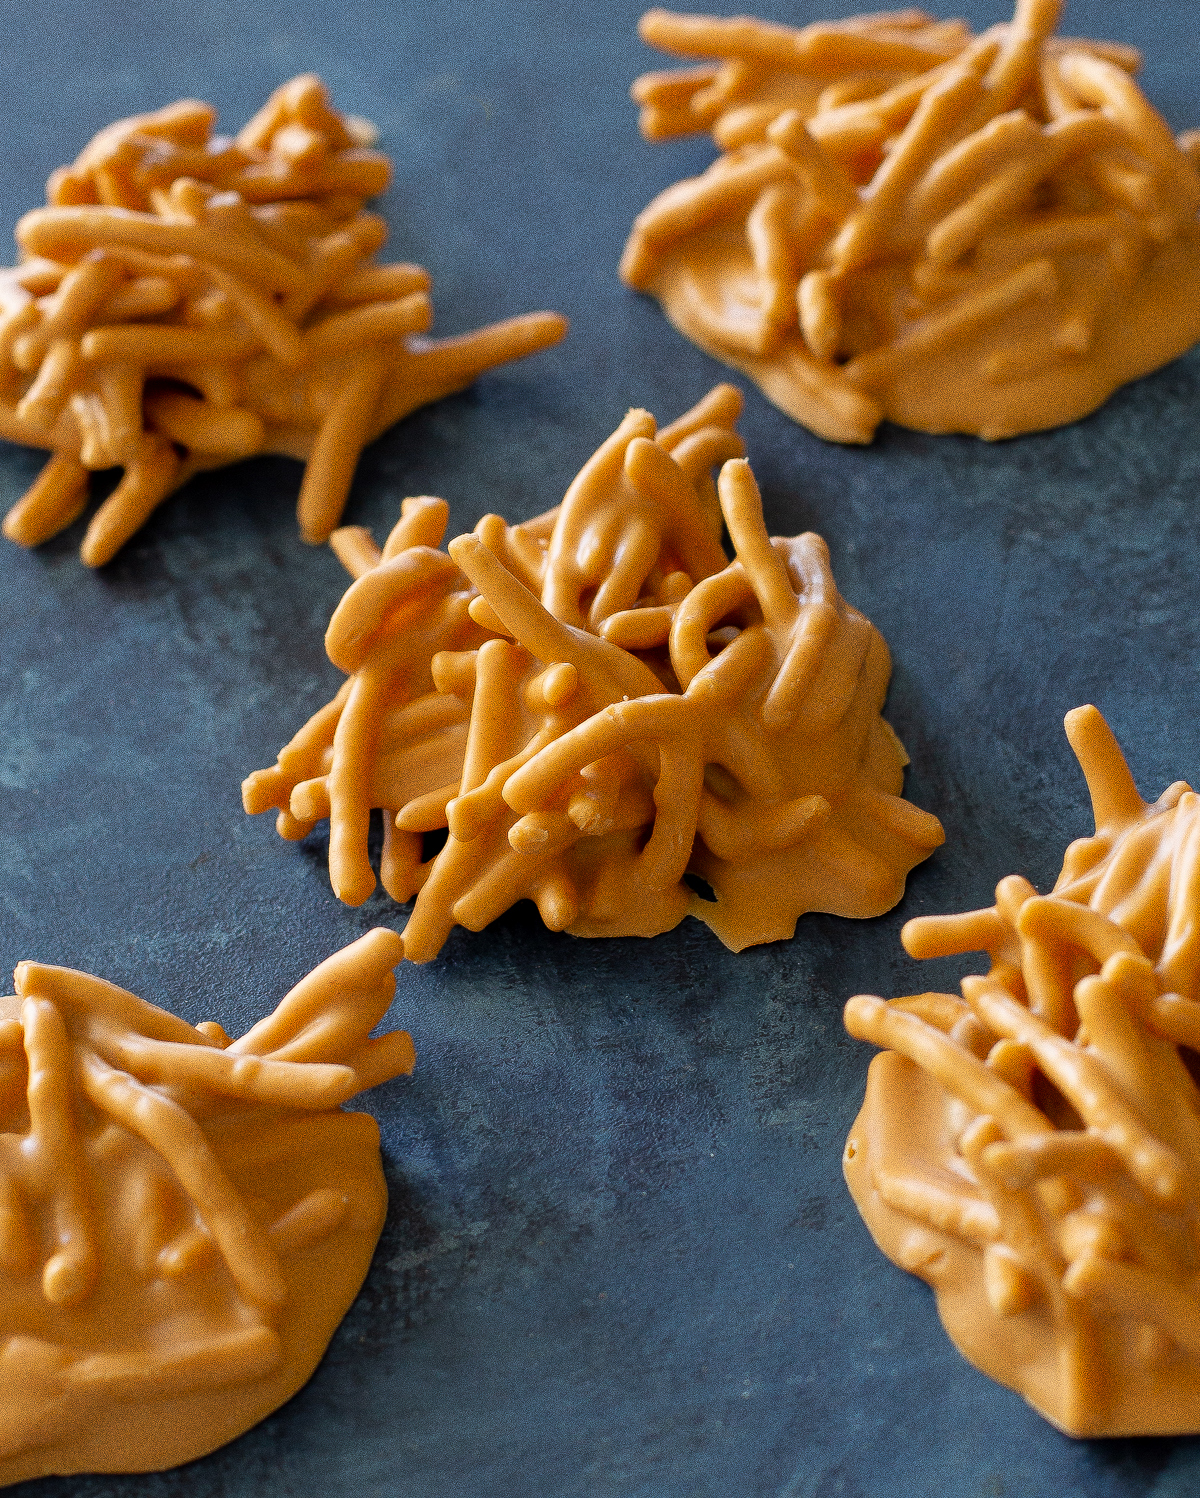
(186, 300)
(184, 1219)
(962, 233)
(1032, 1149)
(597, 703)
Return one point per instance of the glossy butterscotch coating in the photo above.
(598, 702)
(185, 300)
(1032, 1149)
(184, 1219)
(962, 233)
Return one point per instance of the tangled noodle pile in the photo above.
(597, 703)
(964, 233)
(186, 300)
(1032, 1149)
(183, 1219)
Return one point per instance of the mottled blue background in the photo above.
(619, 1258)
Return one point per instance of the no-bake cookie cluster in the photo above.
(1031, 1147)
(184, 1219)
(186, 299)
(961, 233)
(598, 703)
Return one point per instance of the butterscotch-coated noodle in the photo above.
(598, 703)
(185, 300)
(1032, 1149)
(184, 1219)
(981, 234)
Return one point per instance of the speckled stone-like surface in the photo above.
(619, 1258)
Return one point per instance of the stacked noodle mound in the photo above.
(184, 1220)
(187, 300)
(597, 703)
(1033, 1148)
(981, 234)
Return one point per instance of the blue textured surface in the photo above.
(619, 1258)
